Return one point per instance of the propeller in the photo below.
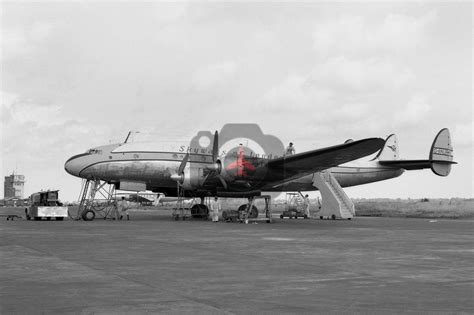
(179, 177)
(216, 164)
(183, 164)
(215, 147)
(215, 168)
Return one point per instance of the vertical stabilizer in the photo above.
(390, 149)
(441, 153)
(440, 159)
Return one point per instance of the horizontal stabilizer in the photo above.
(413, 164)
(440, 158)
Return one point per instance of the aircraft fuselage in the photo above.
(154, 168)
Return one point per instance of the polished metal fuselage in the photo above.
(131, 163)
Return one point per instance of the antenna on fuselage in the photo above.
(126, 139)
(129, 134)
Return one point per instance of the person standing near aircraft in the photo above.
(290, 149)
(215, 207)
(306, 206)
(123, 209)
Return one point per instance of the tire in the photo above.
(321, 217)
(253, 212)
(88, 215)
(333, 217)
(305, 216)
(37, 218)
(281, 216)
(59, 218)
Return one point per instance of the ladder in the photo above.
(180, 211)
(335, 202)
(96, 196)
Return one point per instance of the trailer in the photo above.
(294, 206)
(45, 204)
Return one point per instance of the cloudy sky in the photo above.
(81, 74)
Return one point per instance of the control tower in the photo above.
(14, 186)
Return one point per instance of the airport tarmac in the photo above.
(157, 265)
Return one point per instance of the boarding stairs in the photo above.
(335, 203)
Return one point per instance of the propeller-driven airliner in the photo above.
(181, 170)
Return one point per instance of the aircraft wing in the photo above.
(318, 160)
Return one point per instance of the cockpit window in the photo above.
(94, 151)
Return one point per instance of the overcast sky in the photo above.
(81, 74)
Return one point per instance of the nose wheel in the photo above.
(88, 215)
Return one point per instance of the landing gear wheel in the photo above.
(253, 213)
(88, 215)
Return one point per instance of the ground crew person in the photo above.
(115, 211)
(123, 209)
(290, 149)
(215, 207)
(306, 206)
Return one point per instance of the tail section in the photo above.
(439, 160)
(390, 149)
(441, 153)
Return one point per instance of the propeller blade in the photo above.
(205, 179)
(215, 147)
(183, 164)
(223, 182)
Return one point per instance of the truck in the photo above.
(45, 204)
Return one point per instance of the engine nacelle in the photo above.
(193, 177)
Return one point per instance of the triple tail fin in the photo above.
(389, 150)
(441, 153)
(440, 158)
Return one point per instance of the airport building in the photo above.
(14, 186)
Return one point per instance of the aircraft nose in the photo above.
(74, 165)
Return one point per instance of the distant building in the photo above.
(14, 186)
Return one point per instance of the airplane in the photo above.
(194, 171)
